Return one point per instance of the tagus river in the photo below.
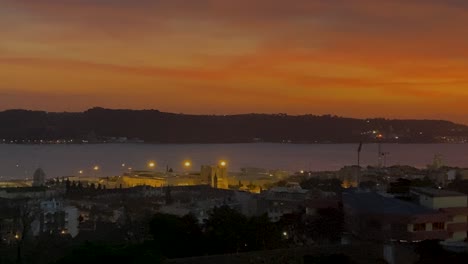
(19, 161)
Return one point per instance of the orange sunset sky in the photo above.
(358, 58)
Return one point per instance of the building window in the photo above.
(419, 227)
(438, 226)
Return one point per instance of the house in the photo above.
(377, 217)
(453, 204)
(56, 217)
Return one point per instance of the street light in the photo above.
(151, 164)
(187, 164)
(80, 172)
(96, 168)
(223, 163)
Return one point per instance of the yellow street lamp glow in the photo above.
(96, 168)
(17, 236)
(187, 164)
(80, 172)
(151, 164)
(223, 163)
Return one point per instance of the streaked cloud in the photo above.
(349, 57)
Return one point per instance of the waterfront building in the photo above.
(215, 176)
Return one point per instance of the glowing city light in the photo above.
(96, 168)
(151, 164)
(223, 163)
(187, 164)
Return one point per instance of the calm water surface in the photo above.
(19, 161)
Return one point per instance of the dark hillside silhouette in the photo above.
(160, 127)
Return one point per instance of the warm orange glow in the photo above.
(398, 59)
(223, 163)
(151, 164)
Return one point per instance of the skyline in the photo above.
(357, 58)
(233, 114)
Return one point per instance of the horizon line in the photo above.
(236, 114)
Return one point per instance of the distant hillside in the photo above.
(100, 124)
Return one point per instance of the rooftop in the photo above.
(375, 203)
(288, 190)
(436, 192)
(24, 189)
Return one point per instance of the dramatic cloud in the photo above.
(349, 57)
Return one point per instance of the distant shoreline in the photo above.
(99, 125)
(242, 143)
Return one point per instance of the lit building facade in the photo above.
(215, 176)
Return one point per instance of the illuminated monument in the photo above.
(216, 176)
